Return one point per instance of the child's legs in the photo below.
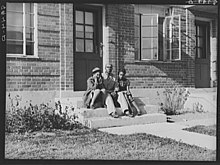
(104, 94)
(95, 95)
(110, 104)
(134, 104)
(122, 101)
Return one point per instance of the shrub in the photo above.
(34, 118)
(197, 107)
(173, 100)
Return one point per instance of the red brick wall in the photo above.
(44, 73)
(120, 19)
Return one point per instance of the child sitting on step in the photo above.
(123, 84)
(95, 93)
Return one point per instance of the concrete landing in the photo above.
(104, 122)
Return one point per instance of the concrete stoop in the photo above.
(99, 118)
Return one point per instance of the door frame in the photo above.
(207, 23)
(99, 10)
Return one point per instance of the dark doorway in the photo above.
(88, 36)
(202, 61)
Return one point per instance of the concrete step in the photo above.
(76, 102)
(102, 112)
(104, 122)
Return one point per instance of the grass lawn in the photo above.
(92, 144)
(207, 130)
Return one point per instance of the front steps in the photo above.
(99, 118)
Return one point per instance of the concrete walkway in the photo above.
(171, 130)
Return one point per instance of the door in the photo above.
(202, 61)
(88, 35)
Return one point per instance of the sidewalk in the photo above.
(171, 130)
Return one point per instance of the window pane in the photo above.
(175, 21)
(15, 19)
(29, 34)
(15, 7)
(15, 47)
(155, 55)
(149, 42)
(168, 43)
(149, 20)
(168, 54)
(176, 33)
(175, 43)
(89, 18)
(79, 45)
(175, 54)
(201, 53)
(201, 31)
(89, 45)
(200, 42)
(155, 43)
(146, 54)
(29, 48)
(149, 31)
(79, 17)
(29, 7)
(29, 20)
(15, 33)
(79, 31)
(89, 31)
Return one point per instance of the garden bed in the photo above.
(189, 116)
(207, 130)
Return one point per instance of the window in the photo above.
(21, 31)
(172, 40)
(146, 36)
(201, 42)
(84, 31)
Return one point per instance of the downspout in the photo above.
(65, 44)
(117, 45)
(60, 49)
(187, 37)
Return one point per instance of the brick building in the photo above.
(52, 48)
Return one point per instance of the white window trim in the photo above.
(164, 36)
(152, 58)
(24, 37)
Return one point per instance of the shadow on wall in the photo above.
(150, 74)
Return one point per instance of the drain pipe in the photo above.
(60, 50)
(117, 45)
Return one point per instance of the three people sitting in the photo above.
(103, 90)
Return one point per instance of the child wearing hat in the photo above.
(94, 95)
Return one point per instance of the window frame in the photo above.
(139, 56)
(171, 37)
(84, 38)
(24, 55)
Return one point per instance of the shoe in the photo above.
(92, 106)
(114, 115)
(139, 113)
(127, 113)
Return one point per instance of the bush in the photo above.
(173, 100)
(34, 118)
(197, 107)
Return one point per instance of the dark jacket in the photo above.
(91, 85)
(123, 83)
